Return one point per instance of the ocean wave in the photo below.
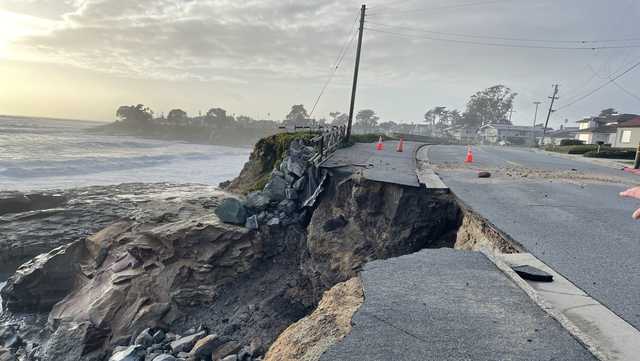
(90, 165)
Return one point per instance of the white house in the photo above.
(510, 134)
(628, 134)
(601, 129)
(557, 136)
(462, 133)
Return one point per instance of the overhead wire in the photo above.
(454, 6)
(505, 45)
(336, 66)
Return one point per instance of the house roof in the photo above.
(633, 123)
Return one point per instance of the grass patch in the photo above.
(613, 153)
(572, 149)
(365, 138)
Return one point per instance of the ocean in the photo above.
(40, 154)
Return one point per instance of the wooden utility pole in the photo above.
(553, 100)
(355, 72)
(511, 111)
(535, 119)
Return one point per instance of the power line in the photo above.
(455, 6)
(611, 80)
(414, 36)
(336, 66)
(501, 37)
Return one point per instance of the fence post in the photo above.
(321, 146)
(636, 164)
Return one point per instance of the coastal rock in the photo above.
(205, 347)
(72, 341)
(131, 353)
(252, 223)
(232, 211)
(165, 357)
(42, 282)
(229, 348)
(276, 188)
(186, 343)
(257, 200)
(16, 202)
(296, 166)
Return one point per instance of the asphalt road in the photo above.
(446, 305)
(565, 212)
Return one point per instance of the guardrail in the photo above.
(326, 142)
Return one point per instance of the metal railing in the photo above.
(327, 142)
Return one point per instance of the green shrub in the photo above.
(565, 142)
(572, 149)
(612, 153)
(365, 138)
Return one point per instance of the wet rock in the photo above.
(275, 188)
(232, 211)
(252, 223)
(42, 282)
(484, 175)
(131, 353)
(205, 346)
(257, 200)
(185, 344)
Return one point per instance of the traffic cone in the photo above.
(469, 158)
(400, 146)
(380, 145)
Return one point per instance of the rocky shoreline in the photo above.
(192, 273)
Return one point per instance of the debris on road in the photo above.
(484, 175)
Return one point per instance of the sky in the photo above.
(81, 59)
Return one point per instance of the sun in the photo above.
(15, 26)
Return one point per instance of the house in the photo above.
(510, 134)
(601, 129)
(564, 133)
(628, 134)
(462, 133)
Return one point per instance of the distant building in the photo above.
(601, 129)
(462, 133)
(628, 134)
(557, 136)
(509, 134)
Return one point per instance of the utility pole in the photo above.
(553, 99)
(535, 119)
(511, 111)
(363, 10)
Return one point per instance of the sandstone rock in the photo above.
(131, 353)
(42, 282)
(225, 350)
(72, 340)
(309, 338)
(186, 343)
(275, 188)
(258, 200)
(205, 346)
(232, 210)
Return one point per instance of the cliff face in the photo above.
(226, 289)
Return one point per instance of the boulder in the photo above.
(252, 223)
(159, 336)
(275, 188)
(205, 346)
(229, 348)
(232, 211)
(72, 340)
(299, 184)
(44, 281)
(484, 175)
(230, 358)
(257, 200)
(296, 166)
(144, 338)
(186, 343)
(131, 353)
(165, 357)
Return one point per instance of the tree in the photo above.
(338, 118)
(137, 115)
(605, 113)
(367, 119)
(177, 117)
(490, 106)
(297, 116)
(388, 126)
(217, 117)
(433, 113)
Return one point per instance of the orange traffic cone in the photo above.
(469, 158)
(400, 146)
(380, 145)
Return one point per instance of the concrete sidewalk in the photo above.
(450, 305)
